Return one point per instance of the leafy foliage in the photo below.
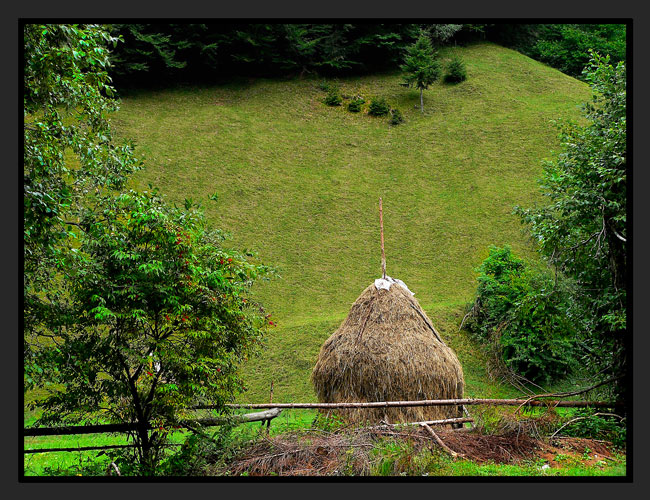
(567, 47)
(159, 52)
(590, 423)
(443, 32)
(564, 46)
(156, 49)
(582, 229)
(421, 66)
(159, 319)
(69, 154)
(523, 310)
(209, 51)
(133, 311)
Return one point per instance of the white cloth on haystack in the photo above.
(386, 283)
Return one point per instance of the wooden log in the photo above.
(88, 448)
(429, 402)
(239, 419)
(108, 428)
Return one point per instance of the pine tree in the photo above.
(421, 66)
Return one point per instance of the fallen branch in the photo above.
(115, 468)
(471, 424)
(440, 442)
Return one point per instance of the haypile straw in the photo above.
(387, 349)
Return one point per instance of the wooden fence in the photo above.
(274, 409)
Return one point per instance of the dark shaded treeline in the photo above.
(165, 53)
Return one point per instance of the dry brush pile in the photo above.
(354, 452)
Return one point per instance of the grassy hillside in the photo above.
(299, 183)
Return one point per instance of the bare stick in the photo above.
(383, 255)
(443, 421)
(439, 441)
(582, 418)
(468, 416)
(114, 466)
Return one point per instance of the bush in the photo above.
(396, 117)
(333, 98)
(378, 107)
(456, 71)
(198, 452)
(524, 309)
(355, 105)
(325, 86)
(590, 424)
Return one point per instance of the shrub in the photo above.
(590, 423)
(325, 86)
(396, 117)
(355, 105)
(378, 107)
(456, 71)
(524, 309)
(198, 452)
(333, 97)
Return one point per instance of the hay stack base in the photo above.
(387, 349)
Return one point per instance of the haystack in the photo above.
(387, 349)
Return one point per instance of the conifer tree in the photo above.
(421, 66)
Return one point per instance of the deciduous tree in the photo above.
(582, 228)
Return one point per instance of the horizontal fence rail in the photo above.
(80, 448)
(79, 429)
(427, 402)
(261, 416)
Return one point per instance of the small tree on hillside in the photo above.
(421, 66)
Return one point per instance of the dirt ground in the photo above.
(331, 453)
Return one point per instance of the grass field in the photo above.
(299, 182)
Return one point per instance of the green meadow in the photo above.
(299, 182)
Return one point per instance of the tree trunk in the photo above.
(421, 102)
(144, 445)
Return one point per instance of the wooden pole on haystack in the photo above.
(383, 255)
